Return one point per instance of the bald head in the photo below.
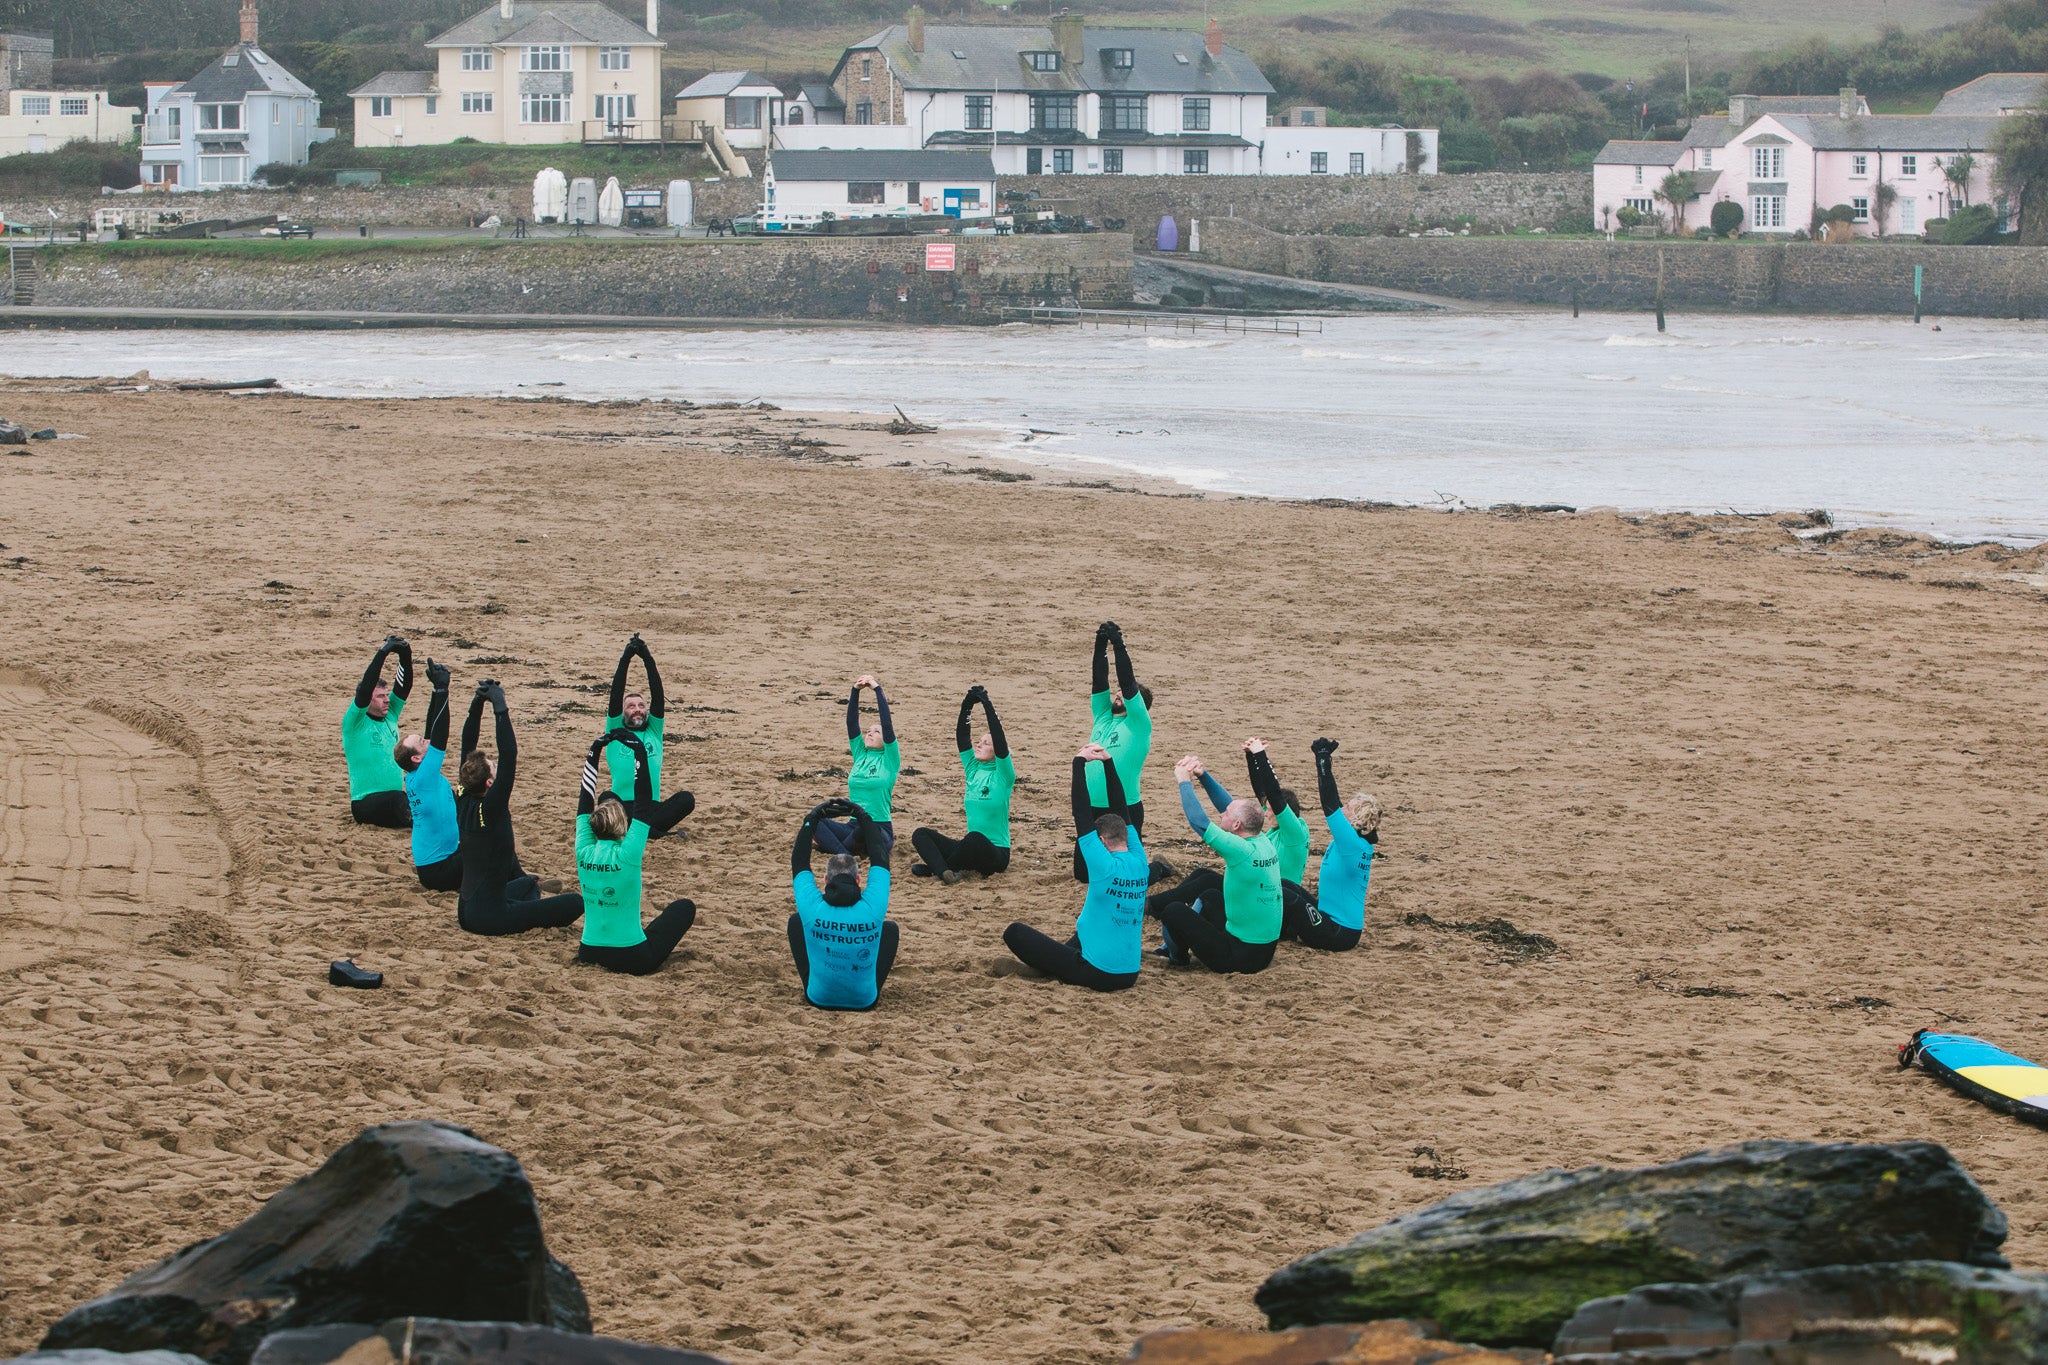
(1243, 817)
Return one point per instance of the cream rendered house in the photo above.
(524, 72)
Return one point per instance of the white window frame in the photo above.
(1043, 61)
(546, 57)
(1766, 212)
(35, 106)
(1909, 214)
(1767, 163)
(556, 105)
(380, 106)
(477, 101)
(220, 117)
(1358, 163)
(1639, 175)
(220, 163)
(1706, 158)
(477, 59)
(1909, 166)
(1859, 166)
(1861, 204)
(433, 105)
(615, 59)
(1643, 204)
(75, 107)
(616, 110)
(277, 112)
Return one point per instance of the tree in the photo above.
(1958, 169)
(1677, 191)
(1884, 194)
(1727, 218)
(2021, 148)
(1433, 101)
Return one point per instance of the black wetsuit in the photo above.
(1302, 921)
(497, 897)
(386, 809)
(664, 814)
(973, 851)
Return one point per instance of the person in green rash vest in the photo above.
(645, 716)
(610, 841)
(369, 733)
(991, 778)
(1282, 811)
(1236, 931)
(871, 781)
(1122, 725)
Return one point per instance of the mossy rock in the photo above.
(1509, 1264)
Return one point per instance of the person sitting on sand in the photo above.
(1235, 929)
(1107, 945)
(645, 716)
(497, 897)
(841, 936)
(436, 856)
(871, 782)
(369, 731)
(1122, 725)
(991, 778)
(1334, 920)
(610, 840)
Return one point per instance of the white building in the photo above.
(240, 114)
(801, 187)
(44, 120)
(525, 72)
(815, 104)
(746, 108)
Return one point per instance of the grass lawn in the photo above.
(473, 163)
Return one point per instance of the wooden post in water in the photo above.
(1575, 298)
(1660, 288)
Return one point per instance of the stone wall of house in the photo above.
(1783, 277)
(881, 279)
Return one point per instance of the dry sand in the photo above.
(1777, 803)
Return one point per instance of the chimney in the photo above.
(1847, 108)
(1070, 37)
(1738, 111)
(504, 9)
(654, 17)
(1213, 39)
(249, 21)
(914, 21)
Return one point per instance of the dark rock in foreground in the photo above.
(1915, 1313)
(1507, 1265)
(96, 1357)
(415, 1219)
(1395, 1342)
(436, 1341)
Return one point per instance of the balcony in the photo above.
(161, 132)
(642, 132)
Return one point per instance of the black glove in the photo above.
(392, 642)
(484, 686)
(1323, 747)
(637, 645)
(977, 693)
(497, 695)
(1107, 629)
(437, 674)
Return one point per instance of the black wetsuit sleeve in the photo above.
(877, 842)
(1126, 680)
(437, 718)
(995, 728)
(499, 797)
(1098, 679)
(1113, 791)
(472, 725)
(586, 790)
(800, 853)
(882, 706)
(963, 732)
(657, 698)
(643, 781)
(1084, 809)
(617, 707)
(370, 676)
(853, 712)
(1326, 783)
(1265, 786)
(401, 686)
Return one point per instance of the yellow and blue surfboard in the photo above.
(2011, 1085)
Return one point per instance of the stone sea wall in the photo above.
(880, 279)
(1772, 277)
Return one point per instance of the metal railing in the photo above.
(642, 130)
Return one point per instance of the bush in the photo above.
(1581, 224)
(1726, 219)
(74, 167)
(1841, 213)
(1629, 216)
(1976, 225)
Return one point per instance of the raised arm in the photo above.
(500, 794)
(853, 712)
(1191, 805)
(643, 781)
(1211, 788)
(1084, 809)
(474, 723)
(800, 852)
(882, 706)
(1098, 681)
(1326, 775)
(995, 726)
(401, 685)
(617, 707)
(1265, 786)
(963, 731)
(437, 706)
(1126, 680)
(877, 842)
(657, 699)
(1113, 790)
(586, 790)
(374, 671)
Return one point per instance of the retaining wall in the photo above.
(1788, 277)
(881, 279)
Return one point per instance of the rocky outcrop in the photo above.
(1916, 1313)
(436, 1341)
(1507, 1265)
(1394, 1342)
(93, 1357)
(416, 1219)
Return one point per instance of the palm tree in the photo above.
(1957, 169)
(1678, 189)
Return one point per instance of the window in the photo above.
(380, 106)
(1909, 166)
(1194, 162)
(476, 59)
(616, 109)
(277, 111)
(433, 105)
(35, 106)
(1308, 118)
(1059, 113)
(1112, 161)
(1706, 158)
(743, 113)
(1194, 115)
(1767, 163)
(981, 113)
(1859, 165)
(864, 192)
(1909, 215)
(223, 118)
(1358, 163)
(1120, 58)
(1767, 211)
(220, 170)
(615, 59)
(1639, 175)
(1063, 161)
(74, 108)
(1034, 161)
(864, 112)
(867, 68)
(543, 108)
(913, 190)
(1862, 207)
(1123, 114)
(796, 115)
(544, 59)
(1043, 61)
(1645, 205)
(1318, 163)
(476, 102)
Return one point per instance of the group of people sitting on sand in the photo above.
(840, 936)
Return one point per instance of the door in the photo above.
(952, 203)
(38, 142)
(1034, 161)
(617, 113)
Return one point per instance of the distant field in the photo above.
(1618, 38)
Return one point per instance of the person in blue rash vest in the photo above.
(424, 761)
(1122, 724)
(1236, 930)
(647, 718)
(1337, 916)
(841, 936)
(871, 781)
(1108, 940)
(369, 729)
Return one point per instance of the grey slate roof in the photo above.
(1894, 133)
(967, 167)
(243, 69)
(991, 56)
(1996, 93)
(822, 97)
(1703, 182)
(1621, 152)
(548, 21)
(719, 84)
(1714, 130)
(397, 83)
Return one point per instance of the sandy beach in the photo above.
(1773, 799)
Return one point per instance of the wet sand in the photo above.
(1774, 800)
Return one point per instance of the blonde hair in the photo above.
(1364, 810)
(609, 820)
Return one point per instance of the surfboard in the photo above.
(1989, 1075)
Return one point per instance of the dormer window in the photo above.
(1043, 61)
(1119, 58)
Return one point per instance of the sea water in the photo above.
(1874, 419)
